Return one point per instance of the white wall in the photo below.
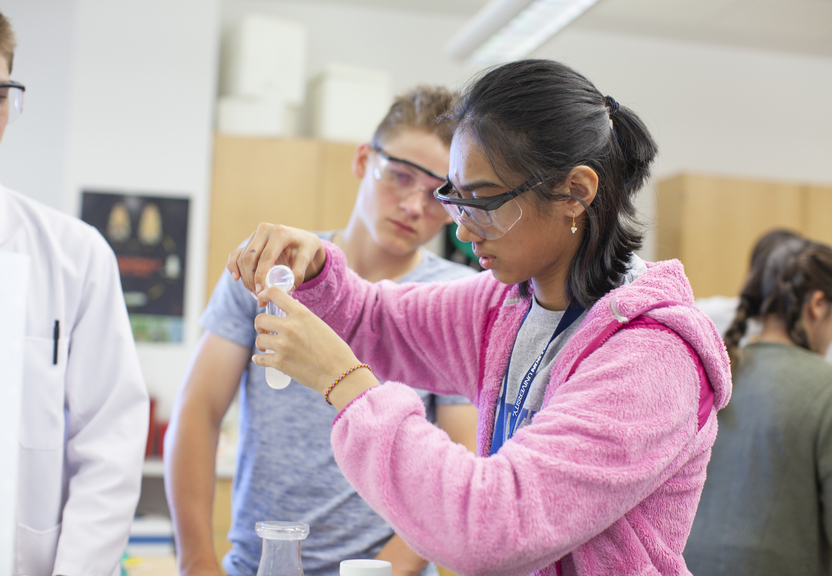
(33, 151)
(715, 109)
(120, 97)
(141, 121)
(407, 44)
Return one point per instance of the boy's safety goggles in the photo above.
(405, 178)
(489, 218)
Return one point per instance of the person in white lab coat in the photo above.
(85, 406)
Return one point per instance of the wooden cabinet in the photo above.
(817, 213)
(299, 182)
(712, 223)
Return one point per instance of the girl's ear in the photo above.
(817, 313)
(360, 160)
(582, 182)
(817, 307)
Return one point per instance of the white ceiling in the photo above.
(803, 26)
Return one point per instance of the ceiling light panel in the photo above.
(506, 30)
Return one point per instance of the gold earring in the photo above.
(574, 227)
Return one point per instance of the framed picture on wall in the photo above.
(149, 237)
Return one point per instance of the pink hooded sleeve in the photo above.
(606, 440)
(427, 335)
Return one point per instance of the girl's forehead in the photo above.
(469, 163)
(466, 154)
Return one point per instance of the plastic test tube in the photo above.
(282, 277)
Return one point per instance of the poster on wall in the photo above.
(149, 236)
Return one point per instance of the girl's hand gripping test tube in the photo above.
(282, 277)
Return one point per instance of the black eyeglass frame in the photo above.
(12, 84)
(487, 204)
(389, 158)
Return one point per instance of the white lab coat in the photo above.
(84, 420)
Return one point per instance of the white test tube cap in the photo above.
(366, 568)
(280, 276)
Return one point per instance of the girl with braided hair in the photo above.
(751, 298)
(734, 312)
(765, 508)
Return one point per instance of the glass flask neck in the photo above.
(280, 558)
(281, 548)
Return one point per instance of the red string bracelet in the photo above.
(341, 377)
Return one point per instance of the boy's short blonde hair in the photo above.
(423, 107)
(7, 41)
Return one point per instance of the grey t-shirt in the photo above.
(285, 467)
(531, 340)
(765, 507)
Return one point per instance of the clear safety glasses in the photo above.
(489, 218)
(11, 101)
(404, 179)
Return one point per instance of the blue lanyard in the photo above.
(505, 425)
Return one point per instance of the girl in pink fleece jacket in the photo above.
(597, 381)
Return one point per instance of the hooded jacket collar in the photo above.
(661, 282)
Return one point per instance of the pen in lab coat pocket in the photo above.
(55, 335)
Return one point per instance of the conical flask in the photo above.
(281, 548)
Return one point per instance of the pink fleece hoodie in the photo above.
(606, 478)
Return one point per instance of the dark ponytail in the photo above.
(748, 308)
(751, 297)
(541, 119)
(635, 144)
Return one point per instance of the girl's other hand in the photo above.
(305, 348)
(272, 244)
